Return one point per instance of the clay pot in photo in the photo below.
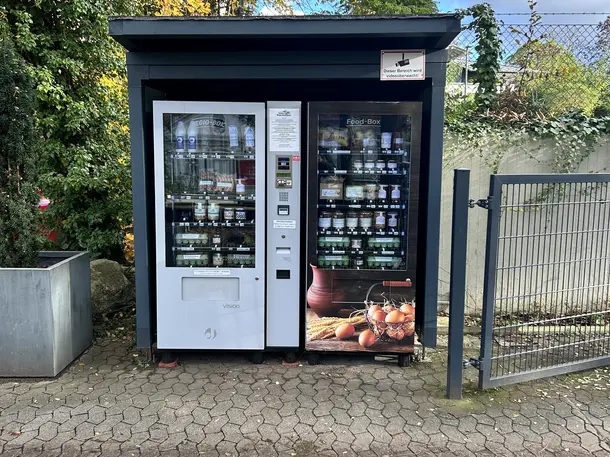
(320, 296)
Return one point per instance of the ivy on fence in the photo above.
(557, 100)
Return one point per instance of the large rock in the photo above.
(110, 288)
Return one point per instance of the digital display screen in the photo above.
(283, 163)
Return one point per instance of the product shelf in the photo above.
(217, 196)
(213, 249)
(369, 204)
(214, 156)
(363, 172)
(214, 224)
(360, 232)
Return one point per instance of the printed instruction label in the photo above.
(284, 129)
(289, 224)
(400, 65)
(212, 272)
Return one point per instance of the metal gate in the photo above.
(546, 305)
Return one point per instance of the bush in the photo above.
(79, 76)
(19, 238)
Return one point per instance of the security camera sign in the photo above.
(397, 65)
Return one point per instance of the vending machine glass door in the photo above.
(210, 201)
(363, 199)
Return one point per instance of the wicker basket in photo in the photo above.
(397, 332)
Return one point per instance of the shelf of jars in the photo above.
(215, 260)
(352, 252)
(196, 248)
(366, 152)
(370, 172)
(214, 224)
(362, 232)
(364, 262)
(220, 196)
(216, 156)
(356, 204)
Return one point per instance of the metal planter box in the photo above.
(46, 315)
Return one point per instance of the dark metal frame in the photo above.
(457, 282)
(286, 50)
(491, 264)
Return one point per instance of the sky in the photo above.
(544, 6)
(507, 6)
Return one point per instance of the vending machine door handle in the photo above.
(407, 283)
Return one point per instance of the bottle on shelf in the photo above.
(192, 137)
(234, 134)
(393, 220)
(180, 136)
(386, 140)
(398, 143)
(382, 194)
(240, 187)
(395, 195)
(380, 220)
(249, 139)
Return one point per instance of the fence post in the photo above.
(457, 282)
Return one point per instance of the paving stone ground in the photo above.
(110, 403)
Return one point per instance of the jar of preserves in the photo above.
(338, 221)
(354, 192)
(325, 220)
(370, 191)
(204, 259)
(216, 239)
(380, 165)
(380, 220)
(214, 212)
(218, 260)
(228, 214)
(358, 164)
(366, 220)
(352, 220)
(392, 165)
(200, 212)
(369, 165)
(241, 214)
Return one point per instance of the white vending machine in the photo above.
(214, 223)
